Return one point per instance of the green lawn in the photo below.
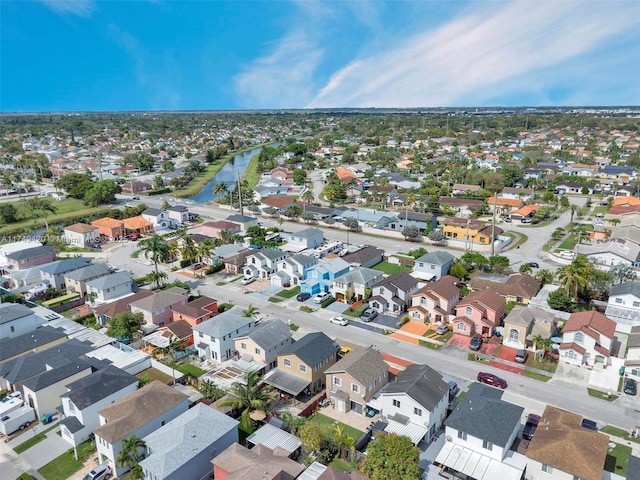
(343, 465)
(617, 460)
(568, 243)
(433, 346)
(191, 370)
(154, 374)
(307, 309)
(391, 268)
(33, 440)
(537, 376)
(472, 357)
(65, 465)
(327, 424)
(601, 395)
(25, 476)
(290, 293)
(600, 209)
(548, 364)
(357, 312)
(275, 299)
(619, 432)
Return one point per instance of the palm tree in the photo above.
(542, 345)
(306, 197)
(574, 209)
(344, 442)
(156, 248)
(205, 249)
(226, 236)
(189, 249)
(575, 277)
(131, 454)
(220, 189)
(136, 473)
(90, 297)
(250, 311)
(248, 398)
(173, 250)
(41, 207)
(544, 276)
(157, 277)
(525, 268)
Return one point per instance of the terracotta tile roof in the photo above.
(526, 210)
(573, 346)
(180, 328)
(602, 350)
(135, 223)
(81, 228)
(345, 175)
(483, 299)
(122, 304)
(107, 222)
(444, 288)
(512, 202)
(561, 442)
(591, 320)
(618, 201)
(278, 201)
(464, 319)
(196, 308)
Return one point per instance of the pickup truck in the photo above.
(530, 426)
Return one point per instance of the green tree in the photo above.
(156, 249)
(8, 213)
(457, 270)
(525, 268)
(436, 236)
(249, 397)
(124, 324)
(342, 441)
(559, 300)
(418, 252)
(75, 184)
(103, 191)
(392, 457)
(299, 176)
(221, 190)
(251, 311)
(621, 273)
(132, 452)
(474, 260)
(575, 277)
(158, 182)
(352, 224)
(544, 276)
(189, 249)
(411, 232)
(307, 197)
(211, 391)
(292, 211)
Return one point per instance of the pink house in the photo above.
(31, 257)
(479, 312)
(434, 302)
(213, 229)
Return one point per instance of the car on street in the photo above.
(369, 314)
(525, 220)
(630, 386)
(321, 297)
(521, 356)
(339, 321)
(442, 329)
(589, 424)
(475, 343)
(507, 219)
(492, 380)
(135, 198)
(247, 280)
(534, 265)
(303, 297)
(530, 426)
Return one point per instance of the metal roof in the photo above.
(477, 465)
(412, 430)
(273, 437)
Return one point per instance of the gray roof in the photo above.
(90, 271)
(153, 212)
(63, 266)
(521, 315)
(224, 323)
(436, 258)
(10, 347)
(269, 333)
(177, 208)
(618, 246)
(363, 255)
(633, 469)
(625, 288)
(483, 414)
(93, 388)
(72, 424)
(55, 375)
(334, 265)
(308, 233)
(30, 252)
(398, 281)
(158, 300)
(312, 348)
(12, 311)
(183, 438)
(110, 281)
(422, 383)
(364, 365)
(273, 437)
(359, 275)
(303, 259)
(237, 218)
(269, 253)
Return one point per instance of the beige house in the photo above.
(353, 380)
(157, 309)
(264, 343)
(351, 286)
(435, 302)
(81, 234)
(76, 280)
(523, 324)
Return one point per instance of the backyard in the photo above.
(327, 424)
(66, 465)
(617, 460)
(391, 268)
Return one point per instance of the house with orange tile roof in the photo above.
(587, 338)
(526, 211)
(109, 227)
(137, 224)
(504, 205)
(347, 175)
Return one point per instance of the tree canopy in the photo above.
(124, 324)
(392, 457)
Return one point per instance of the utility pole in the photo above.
(493, 225)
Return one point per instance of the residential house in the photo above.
(355, 379)
(469, 231)
(623, 306)
(352, 286)
(179, 331)
(195, 311)
(587, 338)
(532, 174)
(623, 173)
(76, 280)
(432, 266)
(305, 238)
(37, 340)
(629, 229)
(105, 312)
(632, 362)
(139, 413)
(463, 189)
(213, 229)
(109, 228)
(480, 432)
(517, 287)
(320, 277)
(214, 338)
(136, 187)
(393, 294)
(86, 396)
(243, 221)
(366, 256)
(528, 211)
(574, 188)
(110, 286)
(7, 248)
(463, 206)
(17, 319)
(264, 343)
(157, 309)
(137, 225)
(523, 324)
(617, 251)
(29, 277)
(479, 312)
(184, 447)
(54, 273)
(504, 205)
(234, 263)
(302, 365)
(409, 218)
(415, 403)
(379, 219)
(178, 213)
(435, 302)
(563, 449)
(158, 216)
(81, 234)
(30, 257)
(238, 462)
(517, 193)
(290, 271)
(581, 170)
(262, 264)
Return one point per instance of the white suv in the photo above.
(101, 472)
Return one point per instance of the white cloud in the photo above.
(283, 78)
(481, 54)
(82, 8)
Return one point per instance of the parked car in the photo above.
(303, 297)
(321, 297)
(247, 280)
(135, 198)
(442, 329)
(534, 265)
(475, 343)
(507, 219)
(369, 314)
(492, 380)
(101, 472)
(630, 386)
(590, 424)
(530, 426)
(525, 220)
(339, 321)
(343, 351)
(521, 356)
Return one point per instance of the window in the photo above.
(243, 346)
(514, 335)
(462, 327)
(547, 468)
(302, 368)
(578, 337)
(355, 388)
(13, 329)
(337, 381)
(287, 362)
(487, 445)
(423, 300)
(257, 350)
(415, 314)
(462, 435)
(396, 403)
(636, 304)
(468, 311)
(417, 411)
(619, 301)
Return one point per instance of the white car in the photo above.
(339, 321)
(247, 280)
(321, 297)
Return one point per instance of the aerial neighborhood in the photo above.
(317, 296)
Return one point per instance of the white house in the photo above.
(415, 404)
(393, 294)
(290, 271)
(616, 251)
(81, 234)
(263, 263)
(111, 286)
(623, 306)
(587, 338)
(214, 338)
(264, 343)
(632, 362)
(157, 216)
(140, 413)
(432, 266)
(86, 396)
(178, 213)
(305, 238)
(16, 319)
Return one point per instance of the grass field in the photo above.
(547, 364)
(568, 243)
(290, 293)
(617, 460)
(391, 268)
(327, 425)
(619, 432)
(601, 395)
(65, 465)
(154, 374)
(536, 375)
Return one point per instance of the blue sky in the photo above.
(70, 55)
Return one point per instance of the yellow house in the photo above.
(264, 343)
(475, 231)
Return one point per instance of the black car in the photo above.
(589, 424)
(475, 343)
(303, 296)
(530, 426)
(630, 386)
(534, 265)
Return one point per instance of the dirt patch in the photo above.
(506, 367)
(461, 341)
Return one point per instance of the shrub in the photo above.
(158, 191)
(214, 269)
(185, 262)
(327, 302)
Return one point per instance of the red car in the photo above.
(491, 379)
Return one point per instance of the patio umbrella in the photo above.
(556, 339)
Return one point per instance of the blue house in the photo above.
(320, 277)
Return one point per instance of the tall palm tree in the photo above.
(575, 277)
(156, 249)
(220, 189)
(344, 442)
(544, 276)
(173, 250)
(574, 209)
(157, 277)
(189, 249)
(226, 236)
(205, 249)
(131, 453)
(249, 398)
(306, 197)
(250, 311)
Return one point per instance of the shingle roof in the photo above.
(517, 284)
(308, 233)
(521, 315)
(269, 333)
(483, 299)
(30, 253)
(63, 266)
(128, 414)
(122, 304)
(333, 265)
(364, 365)
(81, 228)
(590, 321)
(436, 258)
(12, 311)
(152, 212)
(110, 281)
(444, 287)
(483, 414)
(625, 288)
(259, 462)
(99, 385)
(90, 271)
(398, 281)
(158, 300)
(422, 383)
(10, 347)
(55, 375)
(312, 348)
(363, 255)
(195, 308)
(359, 275)
(224, 323)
